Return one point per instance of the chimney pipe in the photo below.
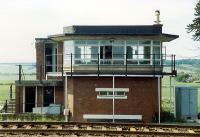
(157, 14)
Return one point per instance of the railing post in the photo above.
(154, 65)
(6, 106)
(172, 62)
(98, 64)
(161, 61)
(71, 64)
(11, 91)
(62, 64)
(126, 64)
(20, 73)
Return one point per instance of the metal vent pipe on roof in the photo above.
(157, 14)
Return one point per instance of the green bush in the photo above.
(166, 117)
(184, 77)
(31, 117)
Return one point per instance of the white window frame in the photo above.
(107, 96)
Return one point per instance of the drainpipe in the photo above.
(159, 100)
(113, 98)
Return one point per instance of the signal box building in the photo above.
(100, 73)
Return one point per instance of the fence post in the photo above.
(20, 73)
(62, 65)
(6, 106)
(11, 91)
(126, 64)
(71, 64)
(98, 64)
(172, 62)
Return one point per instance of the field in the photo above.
(9, 74)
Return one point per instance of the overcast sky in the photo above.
(21, 21)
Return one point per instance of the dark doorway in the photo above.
(29, 99)
(106, 52)
(48, 96)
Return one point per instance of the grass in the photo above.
(9, 74)
(5, 92)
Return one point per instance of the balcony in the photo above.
(94, 64)
(119, 64)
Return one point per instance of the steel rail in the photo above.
(94, 132)
(99, 128)
(102, 124)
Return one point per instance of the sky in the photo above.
(21, 21)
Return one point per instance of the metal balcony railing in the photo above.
(98, 64)
(125, 63)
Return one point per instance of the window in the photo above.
(106, 54)
(156, 54)
(144, 51)
(144, 42)
(156, 43)
(118, 54)
(51, 57)
(107, 93)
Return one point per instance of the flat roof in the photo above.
(72, 32)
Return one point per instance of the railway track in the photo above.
(97, 129)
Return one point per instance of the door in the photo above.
(48, 96)
(106, 54)
(193, 102)
(29, 99)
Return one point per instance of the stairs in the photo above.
(10, 107)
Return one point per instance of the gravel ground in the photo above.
(24, 135)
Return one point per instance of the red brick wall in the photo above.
(59, 95)
(142, 96)
(18, 99)
(40, 59)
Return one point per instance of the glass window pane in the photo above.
(103, 93)
(131, 42)
(147, 52)
(156, 52)
(156, 42)
(94, 52)
(93, 42)
(145, 42)
(110, 93)
(119, 93)
(80, 42)
(105, 42)
(131, 52)
(77, 52)
(119, 42)
(118, 52)
(140, 52)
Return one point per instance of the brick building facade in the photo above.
(99, 73)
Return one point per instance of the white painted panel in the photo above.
(111, 89)
(91, 116)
